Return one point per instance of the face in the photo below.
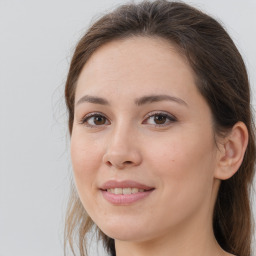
(142, 144)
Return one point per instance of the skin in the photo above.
(179, 157)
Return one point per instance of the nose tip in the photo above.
(121, 160)
(119, 165)
(122, 147)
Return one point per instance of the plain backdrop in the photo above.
(37, 39)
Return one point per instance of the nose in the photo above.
(122, 150)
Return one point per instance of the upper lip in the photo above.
(124, 184)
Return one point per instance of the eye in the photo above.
(94, 120)
(160, 119)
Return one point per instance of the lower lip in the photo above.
(125, 199)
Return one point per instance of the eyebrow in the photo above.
(93, 99)
(140, 101)
(156, 98)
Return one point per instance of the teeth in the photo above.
(124, 191)
(127, 191)
(118, 191)
(135, 190)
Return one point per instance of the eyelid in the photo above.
(160, 112)
(171, 117)
(92, 114)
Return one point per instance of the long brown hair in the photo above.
(221, 79)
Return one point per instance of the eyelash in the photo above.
(170, 118)
(90, 115)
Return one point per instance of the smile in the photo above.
(125, 191)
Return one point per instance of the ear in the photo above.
(231, 151)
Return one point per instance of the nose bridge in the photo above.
(122, 148)
(120, 134)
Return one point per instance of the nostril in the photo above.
(124, 163)
(121, 158)
(108, 163)
(128, 162)
(119, 165)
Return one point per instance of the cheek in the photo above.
(182, 155)
(186, 168)
(86, 160)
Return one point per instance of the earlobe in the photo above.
(232, 152)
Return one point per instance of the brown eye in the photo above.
(99, 120)
(160, 119)
(94, 120)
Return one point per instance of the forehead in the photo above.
(140, 64)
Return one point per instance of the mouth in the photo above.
(125, 192)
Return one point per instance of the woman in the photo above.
(162, 137)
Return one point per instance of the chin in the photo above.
(126, 235)
(120, 230)
(126, 232)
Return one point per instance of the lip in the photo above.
(124, 184)
(124, 199)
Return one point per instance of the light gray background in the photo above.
(37, 39)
